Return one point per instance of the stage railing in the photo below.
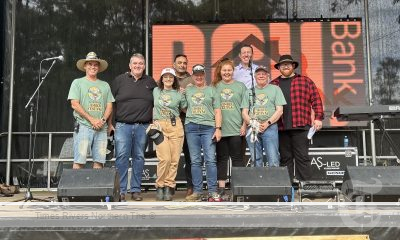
(364, 159)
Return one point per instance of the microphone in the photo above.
(61, 58)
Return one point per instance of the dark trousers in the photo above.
(188, 165)
(228, 147)
(186, 153)
(293, 144)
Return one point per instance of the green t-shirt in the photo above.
(166, 102)
(232, 96)
(93, 96)
(267, 99)
(201, 105)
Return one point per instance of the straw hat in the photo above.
(92, 56)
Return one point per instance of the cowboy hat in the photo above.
(92, 56)
(286, 58)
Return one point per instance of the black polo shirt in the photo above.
(133, 98)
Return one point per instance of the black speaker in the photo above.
(259, 184)
(89, 185)
(372, 184)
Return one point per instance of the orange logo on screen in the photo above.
(208, 43)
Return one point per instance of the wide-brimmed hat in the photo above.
(286, 58)
(92, 56)
(198, 68)
(154, 133)
(168, 70)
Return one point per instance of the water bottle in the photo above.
(346, 141)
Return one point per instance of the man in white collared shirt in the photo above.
(242, 71)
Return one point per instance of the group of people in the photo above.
(210, 123)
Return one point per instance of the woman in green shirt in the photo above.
(232, 96)
(203, 130)
(168, 102)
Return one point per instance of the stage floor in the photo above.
(179, 220)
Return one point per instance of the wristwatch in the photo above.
(269, 122)
(218, 128)
(103, 120)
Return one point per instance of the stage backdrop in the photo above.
(329, 52)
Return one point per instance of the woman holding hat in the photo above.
(203, 130)
(91, 100)
(168, 102)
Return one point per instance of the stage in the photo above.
(178, 219)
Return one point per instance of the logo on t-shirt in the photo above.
(226, 94)
(198, 98)
(261, 99)
(165, 100)
(94, 93)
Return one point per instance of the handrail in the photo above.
(50, 159)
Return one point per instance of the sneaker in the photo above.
(221, 191)
(189, 191)
(195, 197)
(137, 196)
(214, 197)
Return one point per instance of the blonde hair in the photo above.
(217, 74)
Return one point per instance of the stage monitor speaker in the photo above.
(259, 184)
(89, 185)
(372, 184)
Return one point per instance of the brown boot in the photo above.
(189, 191)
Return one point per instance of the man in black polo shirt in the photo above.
(133, 113)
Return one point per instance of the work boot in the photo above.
(136, 196)
(189, 191)
(194, 197)
(160, 194)
(168, 194)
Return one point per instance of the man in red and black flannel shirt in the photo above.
(302, 99)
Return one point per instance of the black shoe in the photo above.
(168, 194)
(137, 196)
(122, 197)
(160, 194)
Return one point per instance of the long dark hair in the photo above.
(175, 85)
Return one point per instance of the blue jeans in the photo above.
(130, 141)
(268, 141)
(89, 138)
(200, 137)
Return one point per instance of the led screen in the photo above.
(329, 52)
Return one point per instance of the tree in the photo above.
(387, 81)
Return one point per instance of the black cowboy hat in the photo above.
(286, 58)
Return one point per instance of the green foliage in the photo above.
(387, 81)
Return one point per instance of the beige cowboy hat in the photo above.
(92, 56)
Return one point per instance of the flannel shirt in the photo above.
(303, 94)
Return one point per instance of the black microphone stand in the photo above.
(252, 105)
(28, 195)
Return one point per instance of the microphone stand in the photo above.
(252, 104)
(28, 195)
